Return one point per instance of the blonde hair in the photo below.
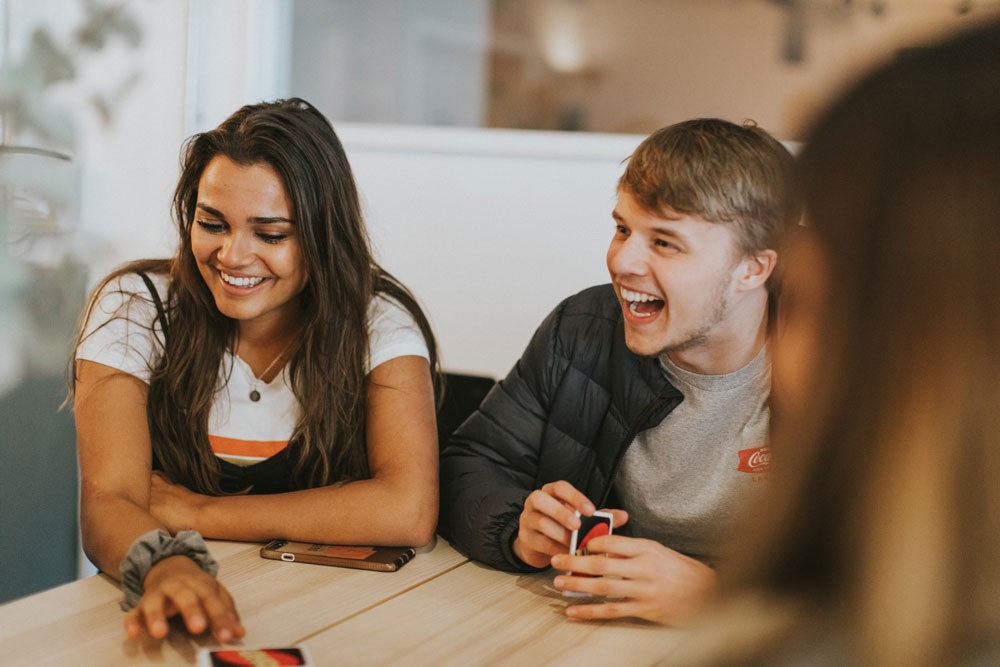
(721, 172)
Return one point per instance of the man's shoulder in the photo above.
(586, 322)
(599, 302)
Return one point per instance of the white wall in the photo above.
(490, 228)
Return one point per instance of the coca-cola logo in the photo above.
(755, 460)
(760, 459)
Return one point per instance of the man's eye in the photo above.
(211, 226)
(666, 245)
(619, 229)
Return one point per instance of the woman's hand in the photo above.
(177, 586)
(176, 506)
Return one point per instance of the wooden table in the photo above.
(439, 609)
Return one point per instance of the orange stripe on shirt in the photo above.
(261, 449)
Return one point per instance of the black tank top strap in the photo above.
(161, 313)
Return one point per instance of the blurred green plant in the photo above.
(27, 105)
(42, 255)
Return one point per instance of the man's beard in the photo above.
(702, 334)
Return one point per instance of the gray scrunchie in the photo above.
(150, 549)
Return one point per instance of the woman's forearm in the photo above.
(112, 437)
(109, 525)
(362, 512)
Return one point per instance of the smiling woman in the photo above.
(247, 251)
(269, 380)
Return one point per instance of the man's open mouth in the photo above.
(642, 304)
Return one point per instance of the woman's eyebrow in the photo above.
(211, 211)
(264, 220)
(256, 220)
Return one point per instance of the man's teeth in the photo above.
(632, 308)
(241, 282)
(637, 297)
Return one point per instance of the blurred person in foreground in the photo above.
(878, 543)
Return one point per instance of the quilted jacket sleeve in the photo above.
(491, 463)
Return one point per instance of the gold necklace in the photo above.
(254, 394)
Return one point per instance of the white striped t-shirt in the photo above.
(122, 332)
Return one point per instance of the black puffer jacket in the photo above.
(567, 410)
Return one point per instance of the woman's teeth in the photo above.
(240, 282)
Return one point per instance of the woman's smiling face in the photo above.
(245, 242)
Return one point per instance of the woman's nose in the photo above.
(235, 250)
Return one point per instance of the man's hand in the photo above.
(644, 579)
(548, 519)
(177, 586)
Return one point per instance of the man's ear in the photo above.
(755, 269)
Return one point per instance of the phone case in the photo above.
(380, 559)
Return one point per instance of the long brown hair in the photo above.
(881, 519)
(328, 369)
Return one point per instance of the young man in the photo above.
(648, 395)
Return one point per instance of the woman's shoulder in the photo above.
(122, 328)
(134, 283)
(128, 284)
(383, 306)
(393, 331)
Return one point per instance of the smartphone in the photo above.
(595, 525)
(381, 559)
(279, 655)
